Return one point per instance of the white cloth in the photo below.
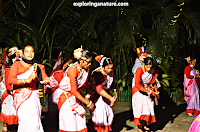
(29, 114)
(103, 113)
(70, 120)
(7, 108)
(142, 105)
(27, 104)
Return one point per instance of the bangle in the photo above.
(87, 96)
(157, 92)
(113, 99)
(23, 81)
(149, 92)
(89, 104)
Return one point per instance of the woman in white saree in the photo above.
(25, 76)
(191, 89)
(101, 81)
(70, 101)
(142, 90)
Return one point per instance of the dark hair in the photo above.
(106, 62)
(148, 61)
(86, 55)
(192, 60)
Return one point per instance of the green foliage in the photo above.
(170, 29)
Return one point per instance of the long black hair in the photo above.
(106, 62)
(148, 61)
(86, 55)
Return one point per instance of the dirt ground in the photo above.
(170, 116)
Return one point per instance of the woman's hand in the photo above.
(115, 93)
(91, 107)
(46, 81)
(112, 103)
(197, 76)
(32, 77)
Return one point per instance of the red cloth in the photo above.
(73, 73)
(154, 76)
(187, 72)
(58, 76)
(98, 79)
(17, 68)
(8, 86)
(138, 74)
(58, 64)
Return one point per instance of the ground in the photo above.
(170, 116)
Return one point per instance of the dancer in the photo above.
(191, 90)
(101, 81)
(70, 105)
(25, 76)
(8, 113)
(142, 94)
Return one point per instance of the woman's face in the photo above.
(108, 68)
(86, 63)
(147, 67)
(28, 53)
(193, 62)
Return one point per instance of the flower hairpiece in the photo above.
(98, 58)
(15, 50)
(188, 59)
(12, 51)
(78, 53)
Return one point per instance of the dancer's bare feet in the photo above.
(190, 114)
(139, 130)
(146, 128)
(4, 129)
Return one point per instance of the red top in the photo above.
(73, 73)
(187, 72)
(8, 86)
(17, 68)
(98, 79)
(58, 75)
(138, 74)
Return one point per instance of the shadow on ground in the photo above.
(165, 112)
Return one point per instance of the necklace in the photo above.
(103, 71)
(78, 67)
(25, 64)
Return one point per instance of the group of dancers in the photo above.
(26, 78)
(24, 83)
(145, 91)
